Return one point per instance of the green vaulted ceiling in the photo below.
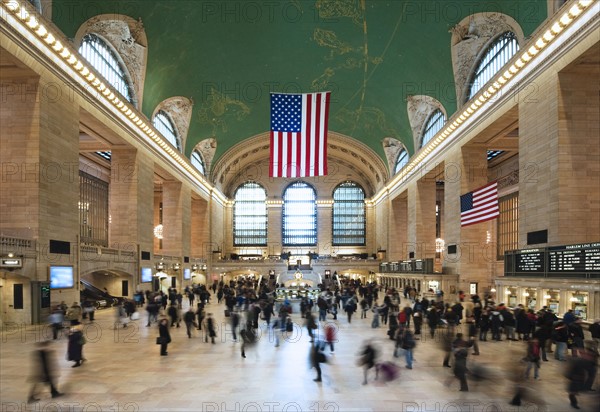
(228, 55)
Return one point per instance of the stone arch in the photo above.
(392, 148)
(207, 149)
(128, 39)
(419, 108)
(470, 38)
(180, 110)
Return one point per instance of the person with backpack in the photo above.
(317, 357)
(350, 308)
(248, 337)
(406, 341)
(533, 358)
(311, 325)
(210, 329)
(364, 306)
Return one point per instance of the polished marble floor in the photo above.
(124, 372)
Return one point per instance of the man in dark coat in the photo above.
(164, 335)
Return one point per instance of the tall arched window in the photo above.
(102, 58)
(434, 124)
(299, 215)
(163, 123)
(349, 219)
(493, 59)
(250, 215)
(401, 160)
(197, 162)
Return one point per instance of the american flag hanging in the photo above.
(299, 134)
(480, 205)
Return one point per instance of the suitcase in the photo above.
(227, 314)
(389, 371)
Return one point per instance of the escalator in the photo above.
(101, 299)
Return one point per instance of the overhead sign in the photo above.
(12, 262)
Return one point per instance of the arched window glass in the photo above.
(434, 124)
(197, 161)
(401, 160)
(493, 60)
(349, 219)
(163, 123)
(299, 215)
(104, 60)
(250, 215)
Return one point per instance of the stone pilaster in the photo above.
(397, 249)
(466, 170)
(131, 200)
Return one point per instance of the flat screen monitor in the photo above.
(61, 277)
(187, 275)
(146, 275)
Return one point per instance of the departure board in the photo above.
(530, 261)
(582, 258)
(578, 260)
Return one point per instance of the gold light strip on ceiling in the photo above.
(28, 19)
(523, 59)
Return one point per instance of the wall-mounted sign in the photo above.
(11, 262)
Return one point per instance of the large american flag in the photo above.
(299, 134)
(480, 205)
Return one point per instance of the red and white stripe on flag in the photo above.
(480, 205)
(299, 134)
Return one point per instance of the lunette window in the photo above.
(434, 124)
(299, 215)
(493, 60)
(163, 123)
(349, 222)
(250, 215)
(102, 58)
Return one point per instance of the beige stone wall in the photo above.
(19, 157)
(324, 228)
(219, 230)
(397, 249)
(538, 150)
(200, 246)
(274, 229)
(578, 156)
(131, 200)
(466, 170)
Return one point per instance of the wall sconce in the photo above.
(493, 290)
(176, 266)
(195, 267)
(526, 294)
(547, 296)
(160, 266)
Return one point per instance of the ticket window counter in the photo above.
(552, 300)
(511, 296)
(578, 302)
(530, 296)
(433, 286)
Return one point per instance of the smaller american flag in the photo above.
(480, 205)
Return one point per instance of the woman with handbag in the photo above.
(164, 337)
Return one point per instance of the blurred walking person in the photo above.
(164, 336)
(75, 345)
(44, 373)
